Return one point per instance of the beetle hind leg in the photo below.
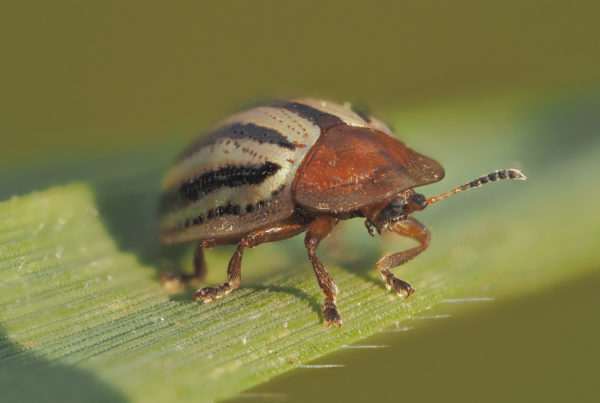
(234, 270)
(413, 229)
(234, 279)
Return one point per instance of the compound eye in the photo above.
(392, 212)
(397, 204)
(419, 200)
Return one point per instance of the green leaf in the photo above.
(83, 316)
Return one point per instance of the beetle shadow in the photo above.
(127, 201)
(312, 300)
(185, 295)
(27, 377)
(126, 189)
(128, 208)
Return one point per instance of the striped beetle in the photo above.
(279, 169)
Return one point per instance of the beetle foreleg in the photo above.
(413, 229)
(317, 231)
(234, 270)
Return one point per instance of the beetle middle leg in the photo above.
(413, 229)
(317, 231)
(199, 265)
(234, 270)
(170, 278)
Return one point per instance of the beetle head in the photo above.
(407, 202)
(398, 209)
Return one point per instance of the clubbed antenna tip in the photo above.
(491, 177)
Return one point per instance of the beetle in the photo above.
(286, 167)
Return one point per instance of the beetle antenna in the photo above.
(493, 176)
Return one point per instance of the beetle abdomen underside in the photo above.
(238, 178)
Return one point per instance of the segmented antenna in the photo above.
(491, 177)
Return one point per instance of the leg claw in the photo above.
(402, 288)
(208, 294)
(331, 315)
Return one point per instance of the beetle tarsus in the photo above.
(208, 294)
(168, 277)
(331, 315)
(171, 281)
(402, 288)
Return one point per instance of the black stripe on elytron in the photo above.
(228, 209)
(322, 119)
(230, 176)
(239, 131)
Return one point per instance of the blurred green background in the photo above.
(83, 82)
(92, 77)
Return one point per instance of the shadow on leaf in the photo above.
(26, 377)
